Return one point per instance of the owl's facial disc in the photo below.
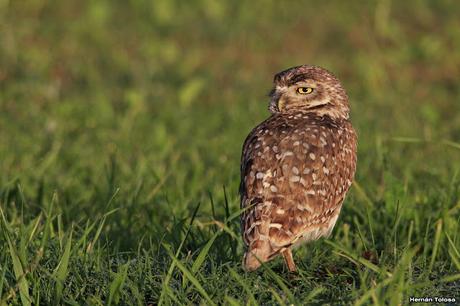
(305, 94)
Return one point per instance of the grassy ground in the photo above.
(121, 126)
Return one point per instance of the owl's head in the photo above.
(311, 89)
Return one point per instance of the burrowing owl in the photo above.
(296, 166)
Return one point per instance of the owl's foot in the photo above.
(289, 260)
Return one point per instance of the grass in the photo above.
(121, 126)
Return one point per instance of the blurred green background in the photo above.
(149, 102)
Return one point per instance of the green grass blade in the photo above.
(436, 243)
(357, 259)
(204, 252)
(201, 257)
(288, 293)
(46, 233)
(135, 292)
(34, 228)
(117, 284)
(173, 265)
(368, 294)
(455, 259)
(90, 246)
(450, 278)
(19, 273)
(2, 281)
(172, 296)
(189, 275)
(237, 277)
(231, 301)
(452, 245)
(316, 291)
(277, 297)
(60, 272)
(451, 144)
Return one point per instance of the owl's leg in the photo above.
(287, 255)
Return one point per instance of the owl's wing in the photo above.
(295, 176)
(247, 198)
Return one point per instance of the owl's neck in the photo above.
(335, 112)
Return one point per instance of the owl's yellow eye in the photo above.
(304, 90)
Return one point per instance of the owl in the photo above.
(296, 166)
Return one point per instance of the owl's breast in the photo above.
(296, 171)
(300, 153)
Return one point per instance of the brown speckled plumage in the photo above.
(297, 166)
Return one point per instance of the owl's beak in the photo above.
(281, 104)
(275, 98)
(277, 102)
